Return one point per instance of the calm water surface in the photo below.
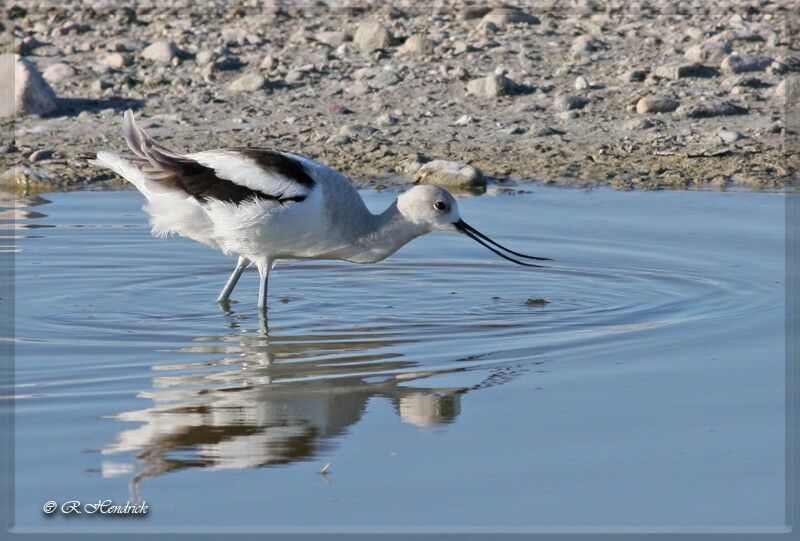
(649, 391)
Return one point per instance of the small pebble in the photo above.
(729, 136)
(656, 104)
(568, 102)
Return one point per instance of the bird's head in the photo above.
(436, 209)
(429, 206)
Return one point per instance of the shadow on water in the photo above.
(267, 398)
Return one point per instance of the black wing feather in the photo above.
(201, 182)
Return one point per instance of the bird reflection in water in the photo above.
(274, 399)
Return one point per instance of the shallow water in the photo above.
(648, 392)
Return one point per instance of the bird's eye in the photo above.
(440, 205)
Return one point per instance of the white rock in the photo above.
(582, 83)
(506, 15)
(417, 45)
(20, 78)
(490, 86)
(372, 36)
(385, 120)
(712, 50)
(204, 57)
(234, 36)
(268, 63)
(741, 64)
(55, 73)
(448, 173)
(331, 39)
(249, 82)
(116, 60)
(582, 45)
(160, 51)
(729, 136)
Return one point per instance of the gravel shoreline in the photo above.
(633, 95)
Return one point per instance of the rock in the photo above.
(638, 124)
(161, 51)
(413, 163)
(472, 12)
(536, 302)
(98, 85)
(463, 120)
(295, 76)
(338, 109)
(124, 45)
(356, 131)
(269, 63)
(26, 178)
(116, 60)
(385, 120)
(372, 36)
(447, 173)
(506, 15)
(487, 28)
(679, 71)
(581, 83)
(775, 127)
(234, 36)
(55, 73)
(386, 78)
(26, 45)
(331, 39)
(568, 102)
(633, 76)
(739, 64)
(40, 155)
(460, 47)
(780, 90)
(581, 45)
(204, 57)
(417, 45)
(729, 136)
(227, 63)
(546, 131)
(706, 109)
(514, 130)
(250, 82)
(359, 88)
(491, 86)
(656, 104)
(20, 78)
(712, 50)
(338, 139)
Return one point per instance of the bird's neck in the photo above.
(386, 233)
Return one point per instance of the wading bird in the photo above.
(262, 205)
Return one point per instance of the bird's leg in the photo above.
(263, 271)
(225, 294)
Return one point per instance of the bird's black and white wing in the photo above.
(227, 175)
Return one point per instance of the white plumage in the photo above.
(262, 205)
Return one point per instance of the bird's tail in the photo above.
(150, 163)
(124, 167)
(144, 146)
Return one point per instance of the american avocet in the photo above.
(263, 205)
